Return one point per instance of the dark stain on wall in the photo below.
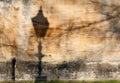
(105, 70)
(5, 71)
(28, 70)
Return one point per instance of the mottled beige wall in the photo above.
(78, 29)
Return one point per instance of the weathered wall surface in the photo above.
(78, 39)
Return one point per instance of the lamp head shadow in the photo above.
(40, 24)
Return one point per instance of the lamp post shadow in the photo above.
(41, 26)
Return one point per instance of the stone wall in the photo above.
(60, 39)
(5, 71)
(79, 70)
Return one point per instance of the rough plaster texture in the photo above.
(78, 39)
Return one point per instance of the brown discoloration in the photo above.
(52, 32)
(85, 29)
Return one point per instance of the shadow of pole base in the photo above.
(41, 78)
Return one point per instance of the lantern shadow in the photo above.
(41, 26)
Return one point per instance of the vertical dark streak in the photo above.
(13, 69)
